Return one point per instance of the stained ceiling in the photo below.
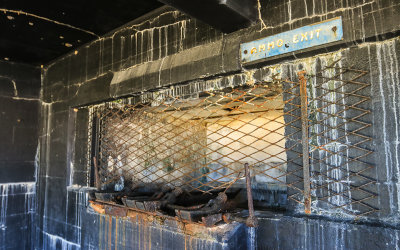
(36, 32)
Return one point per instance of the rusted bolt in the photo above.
(245, 52)
(334, 28)
(286, 45)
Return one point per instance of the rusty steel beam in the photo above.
(304, 130)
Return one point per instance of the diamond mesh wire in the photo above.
(340, 141)
(201, 144)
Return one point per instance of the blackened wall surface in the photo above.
(168, 48)
(19, 113)
(19, 107)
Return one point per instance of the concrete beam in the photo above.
(224, 15)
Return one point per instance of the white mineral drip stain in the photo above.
(251, 238)
(122, 47)
(393, 84)
(47, 110)
(4, 205)
(313, 1)
(143, 36)
(305, 7)
(289, 6)
(386, 147)
(8, 190)
(15, 88)
(51, 242)
(182, 34)
(159, 71)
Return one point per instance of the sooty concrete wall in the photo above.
(19, 121)
(167, 48)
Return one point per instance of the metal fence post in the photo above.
(306, 153)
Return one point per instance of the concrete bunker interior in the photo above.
(162, 103)
(187, 155)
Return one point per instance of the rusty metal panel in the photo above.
(115, 211)
(301, 38)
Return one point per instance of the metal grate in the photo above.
(308, 137)
(340, 141)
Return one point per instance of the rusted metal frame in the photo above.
(305, 142)
(96, 144)
(251, 220)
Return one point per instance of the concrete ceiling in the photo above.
(36, 32)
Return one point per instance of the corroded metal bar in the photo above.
(304, 123)
(252, 220)
(96, 174)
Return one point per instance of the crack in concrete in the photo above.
(20, 12)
